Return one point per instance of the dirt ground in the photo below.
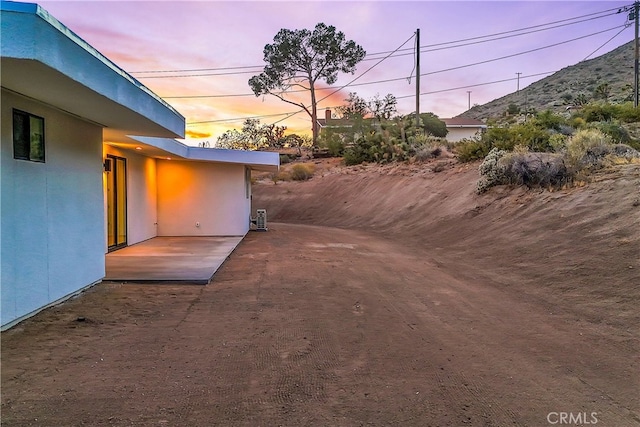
(379, 296)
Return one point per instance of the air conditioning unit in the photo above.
(261, 219)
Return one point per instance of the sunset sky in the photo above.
(220, 45)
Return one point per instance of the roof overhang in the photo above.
(167, 148)
(45, 61)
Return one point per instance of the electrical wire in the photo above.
(476, 85)
(425, 74)
(350, 84)
(605, 43)
(521, 53)
(337, 90)
(426, 48)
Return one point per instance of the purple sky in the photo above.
(189, 35)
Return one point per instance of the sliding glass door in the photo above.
(116, 202)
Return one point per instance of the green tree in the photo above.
(355, 107)
(432, 125)
(253, 136)
(383, 108)
(513, 109)
(602, 91)
(302, 58)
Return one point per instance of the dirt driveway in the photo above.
(319, 326)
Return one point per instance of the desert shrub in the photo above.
(281, 175)
(424, 147)
(378, 146)
(587, 148)
(335, 146)
(522, 167)
(627, 113)
(284, 159)
(513, 109)
(491, 171)
(549, 120)
(302, 171)
(577, 122)
(355, 155)
(534, 169)
(558, 142)
(333, 142)
(469, 150)
(613, 129)
(604, 111)
(530, 135)
(625, 151)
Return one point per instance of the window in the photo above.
(28, 137)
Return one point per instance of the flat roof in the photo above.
(164, 148)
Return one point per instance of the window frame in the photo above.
(23, 145)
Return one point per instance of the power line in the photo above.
(521, 53)
(434, 47)
(425, 74)
(605, 43)
(350, 84)
(476, 85)
(398, 97)
(335, 91)
(426, 48)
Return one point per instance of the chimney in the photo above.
(327, 115)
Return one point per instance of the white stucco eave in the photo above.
(170, 148)
(45, 61)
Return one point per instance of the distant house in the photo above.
(330, 122)
(460, 128)
(89, 165)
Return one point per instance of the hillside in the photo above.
(565, 87)
(552, 241)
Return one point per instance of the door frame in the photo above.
(115, 162)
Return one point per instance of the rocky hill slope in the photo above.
(609, 76)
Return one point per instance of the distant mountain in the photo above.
(610, 74)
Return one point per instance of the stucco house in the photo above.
(460, 128)
(89, 164)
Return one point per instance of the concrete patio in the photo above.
(191, 260)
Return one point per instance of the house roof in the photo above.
(167, 148)
(463, 122)
(44, 60)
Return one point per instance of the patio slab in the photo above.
(170, 259)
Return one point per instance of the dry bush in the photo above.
(428, 152)
(491, 171)
(302, 171)
(587, 148)
(522, 167)
(535, 169)
(591, 149)
(281, 175)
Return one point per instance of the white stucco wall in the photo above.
(142, 213)
(212, 194)
(457, 134)
(52, 222)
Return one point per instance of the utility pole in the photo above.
(418, 77)
(518, 89)
(636, 12)
(469, 94)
